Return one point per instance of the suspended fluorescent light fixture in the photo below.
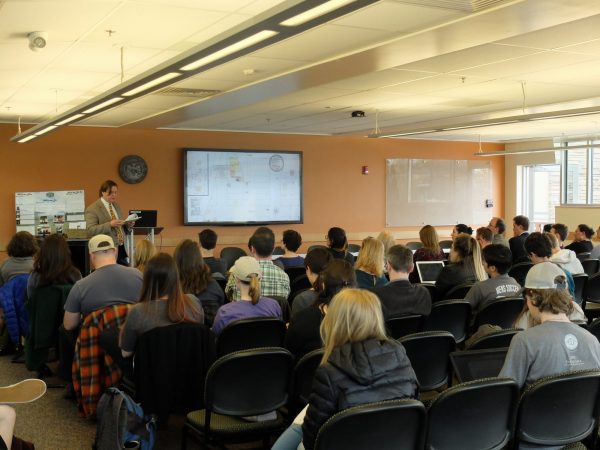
(151, 84)
(562, 148)
(315, 12)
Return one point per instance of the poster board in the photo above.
(43, 213)
(437, 192)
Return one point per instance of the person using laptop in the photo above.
(431, 250)
(496, 262)
(399, 297)
(556, 345)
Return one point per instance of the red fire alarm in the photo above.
(365, 170)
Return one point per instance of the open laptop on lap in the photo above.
(429, 271)
(472, 365)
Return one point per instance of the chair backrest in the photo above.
(594, 328)
(415, 245)
(592, 288)
(428, 353)
(519, 271)
(353, 248)
(230, 255)
(256, 332)
(496, 339)
(166, 378)
(569, 399)
(433, 291)
(248, 382)
(398, 327)
(312, 247)
(286, 310)
(590, 266)
(449, 315)
(278, 251)
(473, 416)
(583, 256)
(295, 272)
(446, 244)
(458, 292)
(580, 281)
(375, 426)
(302, 378)
(502, 312)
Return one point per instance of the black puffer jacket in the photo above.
(357, 373)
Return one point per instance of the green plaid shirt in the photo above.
(274, 281)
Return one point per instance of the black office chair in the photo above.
(502, 312)
(458, 292)
(414, 245)
(594, 328)
(398, 327)
(245, 383)
(580, 281)
(433, 291)
(446, 244)
(295, 271)
(559, 410)
(428, 353)
(583, 256)
(496, 339)
(312, 247)
(353, 248)
(590, 266)
(230, 255)
(450, 315)
(302, 378)
(519, 271)
(473, 416)
(256, 332)
(389, 425)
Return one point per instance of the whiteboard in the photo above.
(437, 192)
(226, 187)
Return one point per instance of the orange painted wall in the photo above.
(335, 191)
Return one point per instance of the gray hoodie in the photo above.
(567, 259)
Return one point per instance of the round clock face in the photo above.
(133, 169)
(276, 163)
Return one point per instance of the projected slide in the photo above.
(240, 187)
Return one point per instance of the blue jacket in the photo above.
(12, 301)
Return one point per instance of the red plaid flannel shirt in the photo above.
(93, 370)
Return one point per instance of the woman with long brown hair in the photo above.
(162, 303)
(196, 279)
(52, 265)
(430, 251)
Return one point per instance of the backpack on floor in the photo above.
(121, 423)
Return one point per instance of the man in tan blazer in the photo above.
(104, 216)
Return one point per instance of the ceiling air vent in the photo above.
(187, 92)
(471, 6)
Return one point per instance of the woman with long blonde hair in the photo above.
(369, 265)
(360, 365)
(144, 250)
(466, 265)
(430, 251)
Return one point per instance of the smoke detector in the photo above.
(37, 40)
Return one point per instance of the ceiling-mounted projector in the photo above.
(37, 40)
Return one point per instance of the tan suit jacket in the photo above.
(97, 220)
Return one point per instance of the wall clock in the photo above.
(133, 169)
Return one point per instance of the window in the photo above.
(581, 174)
(540, 193)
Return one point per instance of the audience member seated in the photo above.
(20, 249)
(208, 242)
(338, 243)
(582, 240)
(565, 258)
(273, 279)
(291, 243)
(52, 265)
(595, 253)
(539, 248)
(388, 241)
(496, 262)
(162, 303)
(109, 284)
(360, 365)
(465, 265)
(555, 345)
(144, 250)
(484, 237)
(517, 242)
(461, 228)
(303, 333)
(399, 297)
(498, 227)
(316, 260)
(25, 391)
(430, 251)
(560, 231)
(196, 279)
(369, 265)
(246, 273)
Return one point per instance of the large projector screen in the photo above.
(238, 187)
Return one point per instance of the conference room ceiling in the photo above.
(409, 65)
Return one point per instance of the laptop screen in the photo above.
(472, 365)
(429, 270)
(149, 218)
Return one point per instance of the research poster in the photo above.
(43, 213)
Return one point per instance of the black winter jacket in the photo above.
(453, 275)
(357, 373)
